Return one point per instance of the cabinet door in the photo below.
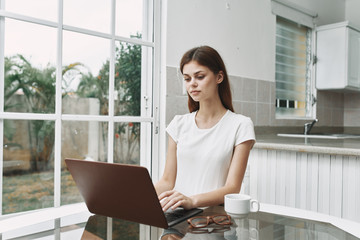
(331, 72)
(354, 59)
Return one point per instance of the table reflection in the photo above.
(101, 227)
(255, 226)
(243, 228)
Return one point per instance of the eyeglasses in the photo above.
(203, 221)
(220, 229)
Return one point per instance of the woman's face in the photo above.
(200, 82)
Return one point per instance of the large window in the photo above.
(295, 91)
(76, 81)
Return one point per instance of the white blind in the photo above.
(293, 55)
(293, 12)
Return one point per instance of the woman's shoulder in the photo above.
(180, 121)
(244, 127)
(239, 118)
(183, 117)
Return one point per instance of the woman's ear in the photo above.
(220, 77)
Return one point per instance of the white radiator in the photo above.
(328, 184)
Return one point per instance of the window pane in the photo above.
(30, 73)
(44, 9)
(81, 140)
(28, 174)
(130, 70)
(127, 143)
(90, 14)
(86, 72)
(129, 18)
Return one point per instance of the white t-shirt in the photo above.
(204, 155)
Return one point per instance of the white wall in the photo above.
(352, 12)
(243, 31)
(329, 11)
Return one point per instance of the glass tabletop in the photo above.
(260, 225)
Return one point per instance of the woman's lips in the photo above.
(195, 92)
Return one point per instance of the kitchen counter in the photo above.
(348, 147)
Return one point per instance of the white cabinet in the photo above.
(338, 57)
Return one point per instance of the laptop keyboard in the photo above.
(172, 215)
(178, 215)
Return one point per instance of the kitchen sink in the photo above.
(320, 135)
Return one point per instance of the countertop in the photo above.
(271, 141)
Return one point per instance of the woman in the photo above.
(208, 148)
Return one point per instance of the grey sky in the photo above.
(38, 43)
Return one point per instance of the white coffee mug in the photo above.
(239, 205)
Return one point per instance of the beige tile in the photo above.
(263, 94)
(237, 106)
(326, 116)
(274, 121)
(262, 114)
(320, 99)
(352, 100)
(327, 99)
(337, 119)
(236, 84)
(320, 115)
(175, 106)
(249, 109)
(249, 90)
(174, 82)
(272, 94)
(337, 100)
(352, 117)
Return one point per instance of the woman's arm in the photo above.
(167, 181)
(233, 184)
(234, 179)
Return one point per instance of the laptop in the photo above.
(123, 191)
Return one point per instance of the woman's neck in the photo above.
(209, 114)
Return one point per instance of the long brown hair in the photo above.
(210, 58)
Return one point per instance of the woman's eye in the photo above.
(187, 79)
(200, 77)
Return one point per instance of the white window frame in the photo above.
(150, 91)
(305, 17)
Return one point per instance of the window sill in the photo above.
(34, 217)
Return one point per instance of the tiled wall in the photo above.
(352, 109)
(256, 98)
(330, 108)
(339, 109)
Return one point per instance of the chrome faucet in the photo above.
(308, 126)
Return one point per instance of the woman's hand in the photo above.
(171, 237)
(173, 199)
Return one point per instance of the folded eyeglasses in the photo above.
(203, 221)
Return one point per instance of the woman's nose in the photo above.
(193, 82)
